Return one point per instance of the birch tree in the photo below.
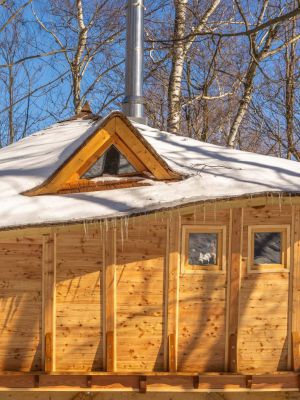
(181, 47)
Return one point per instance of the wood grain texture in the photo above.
(140, 298)
(234, 285)
(21, 305)
(264, 297)
(202, 307)
(173, 289)
(79, 331)
(295, 303)
(49, 301)
(110, 297)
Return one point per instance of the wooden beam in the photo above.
(128, 153)
(49, 295)
(141, 149)
(234, 285)
(158, 382)
(110, 297)
(296, 289)
(173, 257)
(143, 384)
(98, 143)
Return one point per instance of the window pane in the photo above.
(267, 248)
(203, 248)
(112, 162)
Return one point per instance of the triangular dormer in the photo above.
(114, 156)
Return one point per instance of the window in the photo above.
(203, 249)
(112, 162)
(268, 248)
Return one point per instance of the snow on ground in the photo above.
(212, 172)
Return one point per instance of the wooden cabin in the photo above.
(137, 264)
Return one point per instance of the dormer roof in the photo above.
(178, 171)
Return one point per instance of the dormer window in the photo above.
(113, 163)
(115, 156)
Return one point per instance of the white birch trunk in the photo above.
(76, 63)
(178, 57)
(180, 48)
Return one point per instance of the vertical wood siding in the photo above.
(21, 305)
(263, 312)
(140, 286)
(79, 344)
(145, 295)
(202, 309)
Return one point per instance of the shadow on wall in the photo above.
(20, 307)
(140, 304)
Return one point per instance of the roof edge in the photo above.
(245, 200)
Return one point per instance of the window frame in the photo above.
(220, 266)
(284, 266)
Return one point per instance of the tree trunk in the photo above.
(180, 49)
(76, 63)
(290, 60)
(178, 56)
(244, 103)
(11, 106)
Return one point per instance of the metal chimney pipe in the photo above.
(133, 103)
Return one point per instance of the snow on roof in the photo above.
(211, 172)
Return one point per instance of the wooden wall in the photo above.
(202, 308)
(121, 301)
(21, 304)
(141, 259)
(79, 325)
(264, 298)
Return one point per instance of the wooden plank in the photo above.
(110, 297)
(234, 285)
(152, 161)
(49, 299)
(296, 288)
(99, 142)
(172, 353)
(79, 332)
(131, 157)
(173, 269)
(143, 384)
(122, 384)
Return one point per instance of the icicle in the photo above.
(280, 202)
(126, 221)
(122, 234)
(85, 229)
(204, 213)
(215, 211)
(100, 227)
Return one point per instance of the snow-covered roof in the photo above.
(211, 172)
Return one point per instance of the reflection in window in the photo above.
(267, 248)
(203, 248)
(112, 162)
